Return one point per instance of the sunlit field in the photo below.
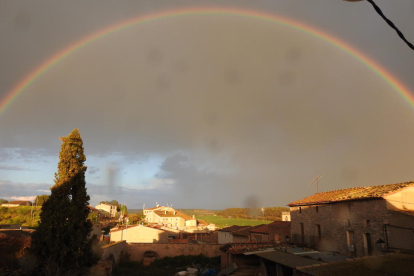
(224, 222)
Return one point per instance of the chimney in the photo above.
(165, 212)
(175, 213)
(193, 216)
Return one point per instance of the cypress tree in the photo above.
(61, 242)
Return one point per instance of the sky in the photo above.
(206, 111)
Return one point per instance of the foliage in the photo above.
(124, 210)
(61, 241)
(268, 213)
(93, 217)
(3, 201)
(12, 248)
(24, 215)
(224, 222)
(198, 212)
(40, 200)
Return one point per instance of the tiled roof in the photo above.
(359, 193)
(169, 214)
(18, 202)
(233, 228)
(264, 229)
(202, 222)
(136, 226)
(246, 232)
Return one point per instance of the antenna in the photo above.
(317, 182)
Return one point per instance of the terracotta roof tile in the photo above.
(359, 193)
(233, 228)
(262, 229)
(170, 214)
(18, 202)
(246, 232)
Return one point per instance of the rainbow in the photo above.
(262, 16)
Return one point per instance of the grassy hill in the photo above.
(224, 222)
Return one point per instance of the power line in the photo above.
(400, 34)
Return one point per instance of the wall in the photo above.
(224, 237)
(286, 216)
(141, 234)
(279, 232)
(403, 200)
(239, 238)
(114, 249)
(136, 250)
(400, 229)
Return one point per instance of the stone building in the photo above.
(109, 208)
(277, 231)
(356, 221)
(225, 235)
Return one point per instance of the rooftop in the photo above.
(233, 228)
(246, 231)
(18, 202)
(352, 194)
(390, 264)
(172, 214)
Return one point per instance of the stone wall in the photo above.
(136, 250)
(332, 227)
(114, 249)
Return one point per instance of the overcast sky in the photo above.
(206, 111)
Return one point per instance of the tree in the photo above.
(40, 200)
(112, 202)
(61, 242)
(3, 201)
(124, 210)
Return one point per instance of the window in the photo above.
(317, 209)
(349, 222)
(367, 223)
(300, 210)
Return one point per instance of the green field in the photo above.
(224, 222)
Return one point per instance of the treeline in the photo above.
(268, 213)
(197, 212)
(24, 215)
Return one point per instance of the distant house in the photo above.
(17, 203)
(356, 221)
(285, 216)
(109, 208)
(232, 234)
(169, 217)
(277, 231)
(140, 234)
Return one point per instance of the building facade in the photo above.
(356, 221)
(109, 208)
(139, 234)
